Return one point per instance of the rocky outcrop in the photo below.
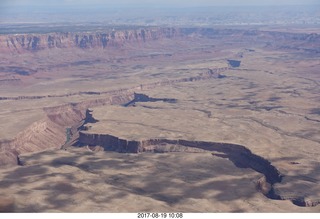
(83, 40)
(119, 38)
(41, 135)
(109, 143)
(50, 132)
(238, 154)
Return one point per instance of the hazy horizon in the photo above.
(139, 11)
(153, 3)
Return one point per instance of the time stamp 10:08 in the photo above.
(160, 215)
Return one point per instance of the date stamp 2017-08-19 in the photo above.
(160, 215)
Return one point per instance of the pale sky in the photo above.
(173, 3)
(106, 10)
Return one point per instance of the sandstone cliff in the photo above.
(238, 154)
(119, 38)
(34, 42)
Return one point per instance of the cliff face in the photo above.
(51, 131)
(35, 42)
(110, 143)
(84, 40)
(238, 154)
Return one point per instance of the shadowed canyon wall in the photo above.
(238, 154)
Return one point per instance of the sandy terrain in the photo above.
(82, 181)
(269, 105)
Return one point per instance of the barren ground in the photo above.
(270, 105)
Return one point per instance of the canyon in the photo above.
(71, 100)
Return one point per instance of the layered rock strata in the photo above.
(118, 38)
(238, 154)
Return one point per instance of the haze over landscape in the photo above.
(65, 11)
(159, 106)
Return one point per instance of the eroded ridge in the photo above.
(50, 132)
